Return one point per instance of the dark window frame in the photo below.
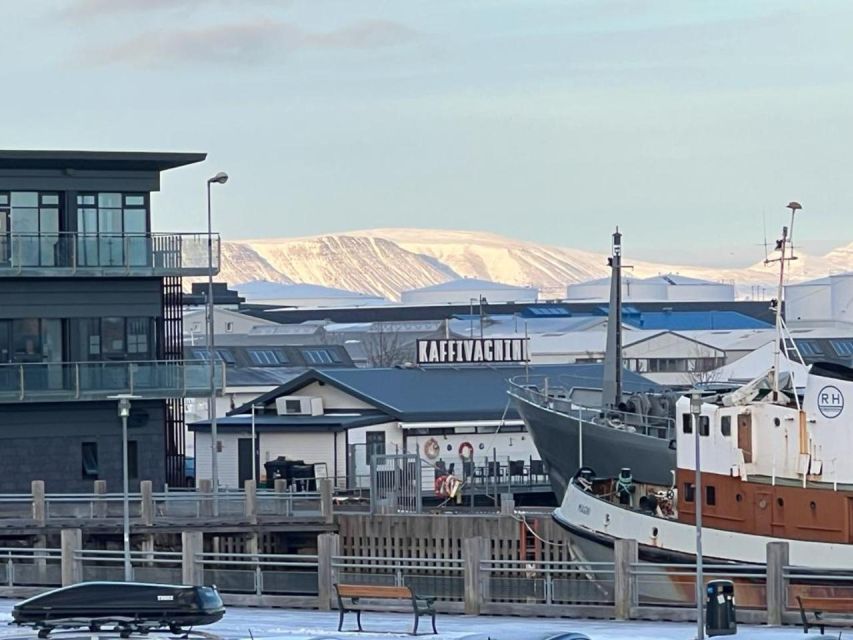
(89, 452)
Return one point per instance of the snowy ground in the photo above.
(288, 624)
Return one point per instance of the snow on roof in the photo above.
(755, 364)
(463, 284)
(266, 289)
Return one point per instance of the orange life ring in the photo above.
(431, 448)
(466, 447)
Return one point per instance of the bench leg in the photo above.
(415, 630)
(358, 619)
(433, 624)
(341, 619)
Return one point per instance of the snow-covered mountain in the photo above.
(388, 261)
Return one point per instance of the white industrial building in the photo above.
(469, 291)
(660, 288)
(825, 301)
(304, 295)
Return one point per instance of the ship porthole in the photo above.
(812, 505)
(780, 502)
(739, 498)
(654, 532)
(777, 421)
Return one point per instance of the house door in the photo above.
(763, 513)
(375, 441)
(744, 436)
(244, 460)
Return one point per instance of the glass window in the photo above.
(317, 356)
(26, 336)
(89, 453)
(226, 356)
(689, 492)
(25, 199)
(710, 496)
(112, 338)
(704, 426)
(119, 222)
(686, 423)
(264, 357)
(726, 426)
(842, 347)
(137, 336)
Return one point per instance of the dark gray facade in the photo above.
(47, 441)
(90, 301)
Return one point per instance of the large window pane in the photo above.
(110, 229)
(138, 338)
(26, 338)
(87, 238)
(112, 338)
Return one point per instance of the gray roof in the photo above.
(96, 160)
(271, 422)
(440, 394)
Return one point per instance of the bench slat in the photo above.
(834, 605)
(373, 591)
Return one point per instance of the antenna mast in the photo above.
(782, 246)
(611, 394)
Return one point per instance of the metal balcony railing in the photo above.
(68, 381)
(70, 253)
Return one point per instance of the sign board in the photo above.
(472, 350)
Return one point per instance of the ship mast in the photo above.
(782, 246)
(611, 392)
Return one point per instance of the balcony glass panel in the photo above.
(44, 382)
(65, 253)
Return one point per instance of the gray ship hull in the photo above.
(606, 450)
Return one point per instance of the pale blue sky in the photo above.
(682, 121)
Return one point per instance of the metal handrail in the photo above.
(54, 380)
(85, 251)
(550, 399)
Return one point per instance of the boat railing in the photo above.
(542, 392)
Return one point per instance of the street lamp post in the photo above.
(255, 445)
(696, 410)
(124, 413)
(219, 178)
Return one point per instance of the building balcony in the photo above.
(69, 253)
(73, 381)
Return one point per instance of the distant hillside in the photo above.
(388, 261)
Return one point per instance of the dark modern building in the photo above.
(91, 308)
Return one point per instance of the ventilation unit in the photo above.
(299, 406)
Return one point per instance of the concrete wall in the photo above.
(43, 442)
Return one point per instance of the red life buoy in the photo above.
(439, 485)
(466, 451)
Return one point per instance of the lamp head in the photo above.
(220, 177)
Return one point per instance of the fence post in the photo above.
(328, 548)
(71, 541)
(326, 504)
(280, 487)
(192, 544)
(39, 511)
(147, 503)
(250, 507)
(204, 493)
(624, 591)
(507, 504)
(777, 596)
(100, 506)
(472, 556)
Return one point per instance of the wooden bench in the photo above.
(818, 606)
(354, 592)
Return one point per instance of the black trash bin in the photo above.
(720, 615)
